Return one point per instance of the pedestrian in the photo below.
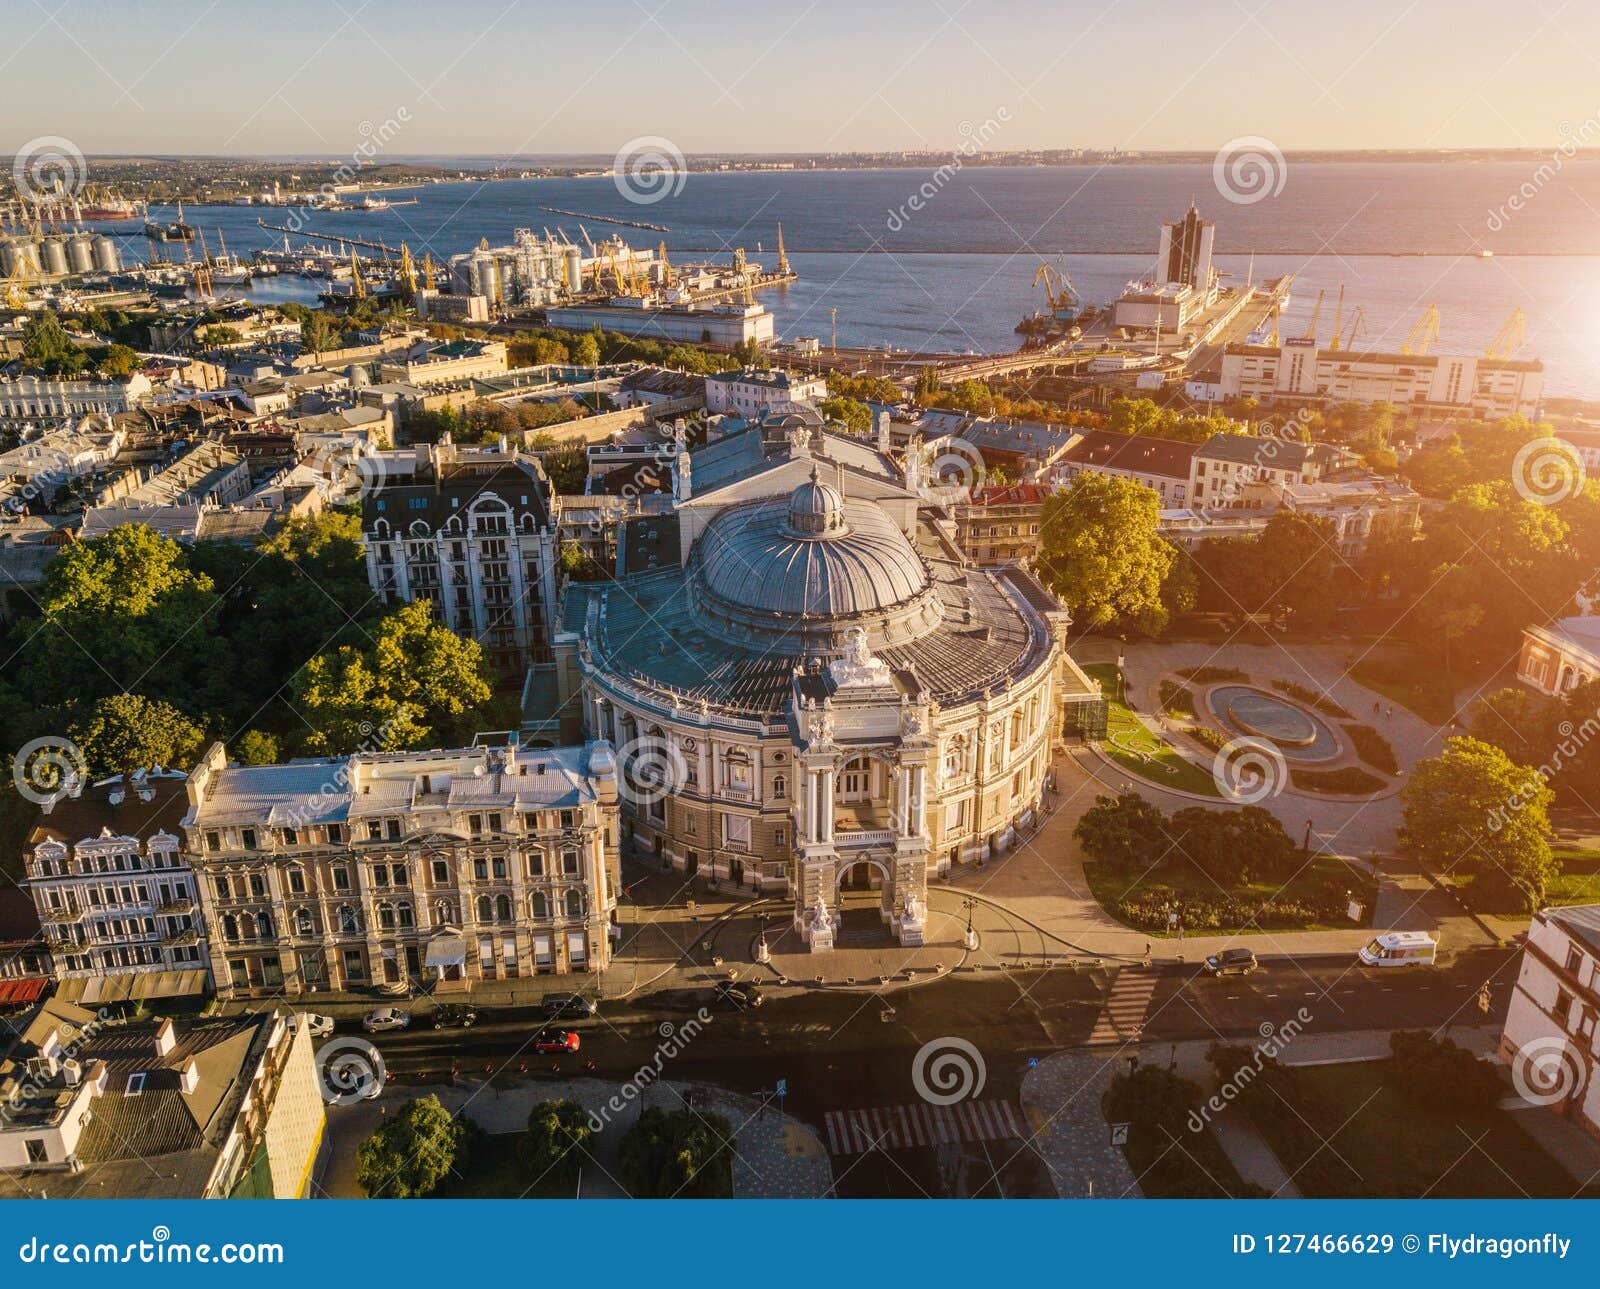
(1180, 930)
(1147, 948)
(1388, 712)
(1375, 707)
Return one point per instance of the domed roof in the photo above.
(811, 564)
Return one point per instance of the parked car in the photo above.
(315, 1024)
(1231, 962)
(385, 1019)
(555, 1041)
(454, 1016)
(1400, 949)
(565, 1006)
(736, 993)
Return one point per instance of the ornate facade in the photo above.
(405, 868)
(816, 691)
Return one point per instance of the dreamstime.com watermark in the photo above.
(1248, 770)
(947, 1070)
(48, 169)
(44, 768)
(674, 1038)
(1274, 1039)
(159, 1248)
(1574, 738)
(974, 139)
(1249, 169)
(649, 169)
(1572, 140)
(1547, 471)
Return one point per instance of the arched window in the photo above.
(230, 927)
(264, 925)
(407, 918)
(1017, 726)
(574, 904)
(539, 905)
(247, 926)
(386, 916)
(502, 908)
(856, 782)
(485, 908)
(304, 924)
(349, 923)
(780, 786)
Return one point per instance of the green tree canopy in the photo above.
(412, 1153)
(1100, 552)
(1472, 810)
(678, 1154)
(556, 1141)
(128, 732)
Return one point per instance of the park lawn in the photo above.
(1426, 691)
(1161, 763)
(1579, 881)
(1381, 1144)
(1264, 900)
(494, 1171)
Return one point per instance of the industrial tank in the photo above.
(55, 257)
(106, 257)
(574, 269)
(80, 253)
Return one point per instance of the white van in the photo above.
(1400, 949)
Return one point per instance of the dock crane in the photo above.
(1059, 292)
(408, 271)
(783, 255)
(1316, 316)
(1510, 337)
(1358, 318)
(427, 270)
(666, 266)
(202, 269)
(588, 241)
(1338, 319)
(358, 285)
(1424, 333)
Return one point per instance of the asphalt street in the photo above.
(840, 1053)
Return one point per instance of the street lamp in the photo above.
(1306, 848)
(971, 937)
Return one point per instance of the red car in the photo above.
(555, 1040)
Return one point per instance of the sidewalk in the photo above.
(776, 1156)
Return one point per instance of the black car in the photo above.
(561, 1006)
(737, 994)
(454, 1016)
(1231, 962)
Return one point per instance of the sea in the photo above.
(944, 258)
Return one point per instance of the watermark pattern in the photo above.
(70, 1050)
(974, 138)
(1547, 1071)
(1573, 740)
(674, 1038)
(160, 1248)
(374, 139)
(947, 1070)
(1249, 169)
(1547, 471)
(1270, 437)
(48, 168)
(45, 767)
(649, 169)
(350, 1070)
(649, 769)
(1572, 139)
(1248, 770)
(1274, 1039)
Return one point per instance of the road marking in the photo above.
(903, 1127)
(1122, 1016)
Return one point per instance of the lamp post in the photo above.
(970, 939)
(1306, 847)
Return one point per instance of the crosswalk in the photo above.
(854, 1132)
(1122, 1017)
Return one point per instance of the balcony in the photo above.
(185, 937)
(175, 906)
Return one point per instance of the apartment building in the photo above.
(752, 394)
(1000, 524)
(444, 866)
(1162, 465)
(96, 1108)
(1549, 1038)
(115, 895)
(470, 530)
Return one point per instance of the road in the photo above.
(846, 1052)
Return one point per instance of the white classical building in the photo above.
(116, 899)
(752, 393)
(1549, 1038)
(810, 689)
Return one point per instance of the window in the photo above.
(135, 1086)
(247, 838)
(854, 783)
(574, 904)
(485, 908)
(374, 830)
(736, 831)
(569, 862)
(349, 922)
(441, 872)
(780, 786)
(536, 863)
(480, 869)
(400, 875)
(213, 841)
(393, 829)
(407, 916)
(386, 916)
(303, 922)
(341, 879)
(37, 1152)
(335, 834)
(495, 824)
(1563, 1007)
(502, 908)
(380, 875)
(220, 886)
(1574, 959)
(538, 905)
(297, 881)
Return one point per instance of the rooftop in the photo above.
(1137, 453)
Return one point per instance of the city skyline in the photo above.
(515, 80)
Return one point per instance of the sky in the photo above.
(518, 77)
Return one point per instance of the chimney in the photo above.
(189, 1077)
(166, 1037)
(883, 431)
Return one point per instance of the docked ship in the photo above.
(177, 231)
(111, 208)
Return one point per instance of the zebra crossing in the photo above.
(901, 1127)
(1122, 1017)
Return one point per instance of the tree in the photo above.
(412, 1153)
(216, 337)
(856, 417)
(1124, 830)
(417, 684)
(1439, 1074)
(48, 348)
(1286, 570)
(256, 747)
(1473, 810)
(556, 1141)
(586, 351)
(678, 1154)
(1100, 552)
(117, 361)
(318, 332)
(128, 732)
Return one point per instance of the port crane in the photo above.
(408, 270)
(783, 255)
(1510, 337)
(1424, 333)
(1316, 317)
(1059, 292)
(1358, 320)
